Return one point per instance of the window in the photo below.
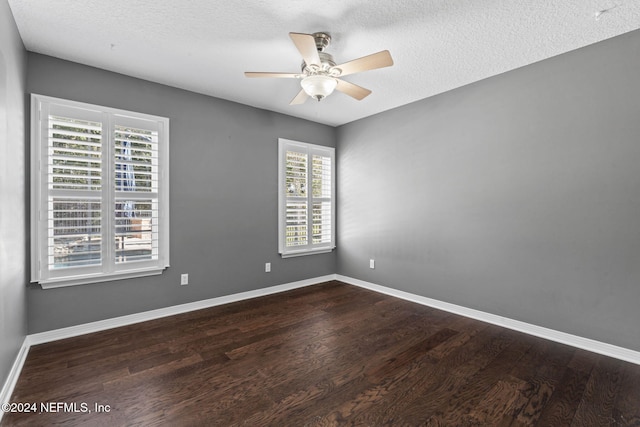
(306, 198)
(100, 193)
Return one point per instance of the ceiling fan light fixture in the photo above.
(318, 86)
(320, 75)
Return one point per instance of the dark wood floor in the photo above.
(325, 355)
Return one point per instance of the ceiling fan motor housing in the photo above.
(327, 64)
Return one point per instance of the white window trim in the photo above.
(39, 195)
(310, 149)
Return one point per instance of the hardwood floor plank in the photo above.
(432, 384)
(324, 355)
(383, 382)
(563, 403)
(498, 402)
(390, 366)
(541, 371)
(369, 348)
(462, 406)
(627, 405)
(457, 341)
(596, 405)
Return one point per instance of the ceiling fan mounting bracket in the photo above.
(322, 40)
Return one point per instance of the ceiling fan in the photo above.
(319, 73)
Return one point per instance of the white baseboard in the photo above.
(538, 331)
(14, 373)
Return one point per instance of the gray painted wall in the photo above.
(223, 196)
(13, 193)
(518, 195)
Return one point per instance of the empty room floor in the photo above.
(323, 355)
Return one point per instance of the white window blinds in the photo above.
(306, 198)
(136, 194)
(74, 185)
(99, 193)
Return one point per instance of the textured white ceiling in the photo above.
(206, 45)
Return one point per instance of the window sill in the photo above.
(307, 252)
(97, 278)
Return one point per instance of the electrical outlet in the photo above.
(184, 279)
(267, 267)
(372, 263)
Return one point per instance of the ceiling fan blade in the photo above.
(306, 45)
(354, 91)
(276, 75)
(370, 62)
(300, 98)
